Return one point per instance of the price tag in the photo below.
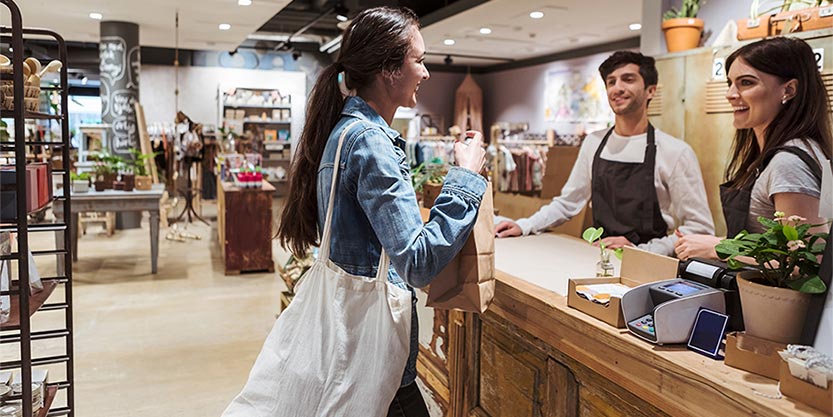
(818, 54)
(719, 69)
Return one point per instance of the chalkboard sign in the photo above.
(119, 55)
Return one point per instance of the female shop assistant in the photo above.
(782, 117)
(381, 65)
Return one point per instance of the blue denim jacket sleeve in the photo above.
(418, 251)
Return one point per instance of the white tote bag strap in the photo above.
(324, 254)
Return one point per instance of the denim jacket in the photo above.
(376, 207)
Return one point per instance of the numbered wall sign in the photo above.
(719, 69)
(818, 53)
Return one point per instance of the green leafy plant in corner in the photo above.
(688, 9)
(593, 234)
(786, 252)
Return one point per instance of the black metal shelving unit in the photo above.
(18, 329)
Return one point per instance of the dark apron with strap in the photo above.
(736, 201)
(624, 197)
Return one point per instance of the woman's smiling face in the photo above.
(756, 97)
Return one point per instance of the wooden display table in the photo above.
(532, 355)
(115, 201)
(244, 227)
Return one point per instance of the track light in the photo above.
(448, 60)
(296, 55)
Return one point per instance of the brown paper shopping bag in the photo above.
(468, 282)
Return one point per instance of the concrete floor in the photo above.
(179, 343)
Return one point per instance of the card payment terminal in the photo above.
(664, 312)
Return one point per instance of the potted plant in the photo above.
(682, 28)
(80, 182)
(604, 268)
(774, 298)
(427, 180)
(143, 181)
(106, 169)
(127, 176)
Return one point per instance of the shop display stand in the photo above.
(18, 330)
(189, 194)
(275, 152)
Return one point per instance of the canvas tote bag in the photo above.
(338, 350)
(468, 282)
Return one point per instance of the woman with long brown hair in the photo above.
(784, 135)
(380, 68)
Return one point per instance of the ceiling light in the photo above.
(536, 15)
(449, 42)
(224, 26)
(244, 2)
(341, 12)
(485, 31)
(635, 26)
(96, 16)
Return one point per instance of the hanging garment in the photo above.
(468, 105)
(624, 198)
(338, 349)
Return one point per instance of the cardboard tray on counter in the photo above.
(638, 267)
(803, 391)
(753, 354)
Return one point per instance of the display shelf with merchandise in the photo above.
(17, 327)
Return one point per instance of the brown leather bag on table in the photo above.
(468, 282)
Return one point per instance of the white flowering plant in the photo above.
(787, 254)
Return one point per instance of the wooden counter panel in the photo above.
(673, 379)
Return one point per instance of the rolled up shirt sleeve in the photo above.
(417, 251)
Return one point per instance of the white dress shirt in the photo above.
(677, 179)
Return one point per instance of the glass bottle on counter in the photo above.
(604, 268)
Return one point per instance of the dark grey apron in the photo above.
(735, 201)
(624, 196)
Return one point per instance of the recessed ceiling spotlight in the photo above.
(96, 16)
(449, 42)
(536, 14)
(485, 31)
(244, 2)
(224, 26)
(635, 26)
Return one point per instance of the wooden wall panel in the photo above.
(667, 112)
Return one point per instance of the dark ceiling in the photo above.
(299, 13)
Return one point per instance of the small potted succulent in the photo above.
(682, 28)
(774, 298)
(80, 182)
(127, 176)
(103, 176)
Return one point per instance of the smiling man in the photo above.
(642, 183)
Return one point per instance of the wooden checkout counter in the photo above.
(531, 355)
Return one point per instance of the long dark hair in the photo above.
(377, 41)
(806, 116)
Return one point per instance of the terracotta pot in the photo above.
(143, 182)
(430, 192)
(772, 313)
(682, 34)
(129, 181)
